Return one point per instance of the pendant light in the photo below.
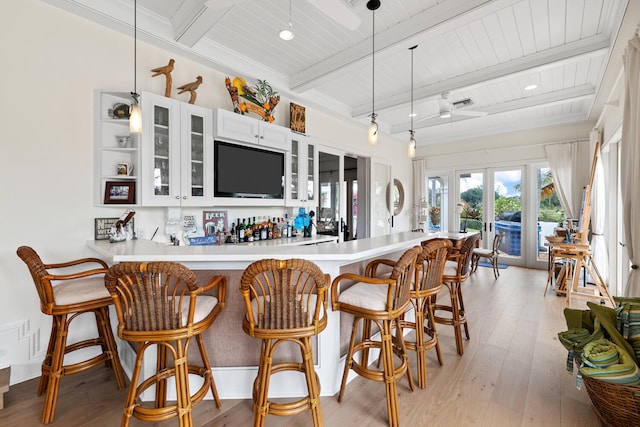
(412, 138)
(372, 5)
(287, 33)
(135, 113)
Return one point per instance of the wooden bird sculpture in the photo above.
(166, 70)
(191, 87)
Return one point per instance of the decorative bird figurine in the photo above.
(191, 87)
(166, 70)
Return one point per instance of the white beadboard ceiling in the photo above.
(482, 50)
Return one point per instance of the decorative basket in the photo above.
(616, 405)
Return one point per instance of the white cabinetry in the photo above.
(176, 153)
(114, 150)
(303, 170)
(236, 127)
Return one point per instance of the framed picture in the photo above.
(297, 118)
(103, 225)
(116, 192)
(214, 222)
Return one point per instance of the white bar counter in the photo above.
(233, 354)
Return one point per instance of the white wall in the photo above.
(52, 63)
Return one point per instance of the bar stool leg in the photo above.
(312, 382)
(56, 370)
(261, 386)
(455, 315)
(130, 404)
(389, 374)
(110, 347)
(462, 312)
(46, 363)
(348, 361)
(432, 326)
(421, 351)
(183, 395)
(207, 366)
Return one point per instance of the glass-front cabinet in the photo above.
(303, 171)
(176, 140)
(196, 155)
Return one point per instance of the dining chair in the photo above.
(161, 304)
(286, 302)
(67, 290)
(426, 285)
(381, 301)
(455, 273)
(490, 254)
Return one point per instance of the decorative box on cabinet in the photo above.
(176, 152)
(114, 146)
(236, 127)
(303, 170)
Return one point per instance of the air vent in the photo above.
(463, 103)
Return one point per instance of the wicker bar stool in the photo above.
(65, 297)
(161, 304)
(428, 282)
(286, 301)
(455, 273)
(379, 300)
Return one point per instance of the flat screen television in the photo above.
(247, 172)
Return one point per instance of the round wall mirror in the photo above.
(397, 197)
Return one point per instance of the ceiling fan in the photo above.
(446, 108)
(336, 10)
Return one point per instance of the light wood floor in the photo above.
(512, 374)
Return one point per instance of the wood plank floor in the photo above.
(511, 374)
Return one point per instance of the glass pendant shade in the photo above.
(287, 33)
(135, 118)
(412, 146)
(373, 132)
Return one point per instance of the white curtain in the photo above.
(630, 163)
(561, 157)
(419, 192)
(598, 215)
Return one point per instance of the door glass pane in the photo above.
(469, 207)
(311, 162)
(550, 213)
(294, 169)
(161, 150)
(197, 156)
(433, 211)
(507, 191)
(329, 216)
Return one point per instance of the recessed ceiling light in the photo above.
(445, 114)
(531, 87)
(412, 115)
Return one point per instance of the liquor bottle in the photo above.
(269, 230)
(247, 230)
(255, 231)
(263, 230)
(240, 230)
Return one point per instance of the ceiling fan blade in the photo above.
(472, 113)
(338, 11)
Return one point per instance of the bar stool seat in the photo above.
(65, 297)
(286, 302)
(160, 304)
(380, 300)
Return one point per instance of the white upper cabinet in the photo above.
(236, 127)
(303, 170)
(176, 145)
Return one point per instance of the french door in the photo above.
(490, 201)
